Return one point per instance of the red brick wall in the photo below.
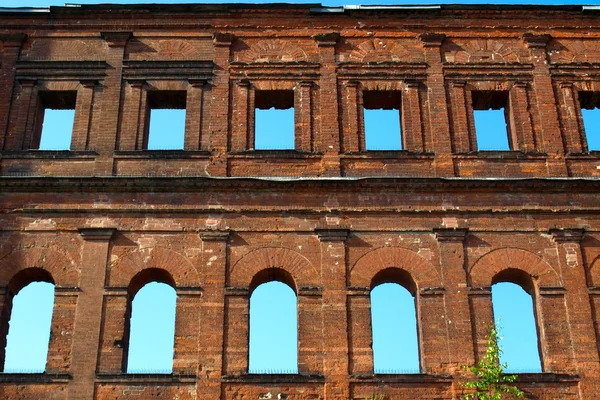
(99, 215)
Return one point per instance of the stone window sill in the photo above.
(49, 154)
(502, 155)
(274, 154)
(387, 154)
(274, 378)
(146, 378)
(9, 377)
(161, 154)
(401, 378)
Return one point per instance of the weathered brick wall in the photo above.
(108, 216)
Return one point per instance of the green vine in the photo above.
(491, 383)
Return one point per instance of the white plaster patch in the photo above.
(450, 222)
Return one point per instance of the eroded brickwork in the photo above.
(108, 216)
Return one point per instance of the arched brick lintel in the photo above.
(63, 270)
(298, 266)
(491, 264)
(177, 265)
(421, 270)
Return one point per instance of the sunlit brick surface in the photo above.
(109, 215)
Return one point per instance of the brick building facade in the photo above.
(217, 217)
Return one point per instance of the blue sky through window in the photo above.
(513, 311)
(394, 322)
(591, 123)
(490, 129)
(152, 329)
(167, 129)
(29, 329)
(57, 129)
(382, 130)
(274, 129)
(273, 329)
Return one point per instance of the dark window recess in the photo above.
(166, 120)
(55, 119)
(590, 112)
(490, 112)
(274, 120)
(382, 118)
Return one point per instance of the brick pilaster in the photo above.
(96, 242)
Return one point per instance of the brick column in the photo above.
(458, 316)
(133, 124)
(104, 127)
(328, 141)
(83, 115)
(218, 122)
(549, 135)
(210, 340)
(11, 49)
(521, 128)
(570, 114)
(335, 324)
(237, 334)
(23, 117)
(352, 140)
(242, 126)
(303, 118)
(438, 107)
(193, 116)
(60, 347)
(360, 332)
(463, 137)
(187, 330)
(580, 315)
(310, 331)
(412, 128)
(482, 315)
(88, 316)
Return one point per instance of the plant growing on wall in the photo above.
(491, 383)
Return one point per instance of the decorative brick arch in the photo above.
(273, 50)
(483, 51)
(594, 272)
(421, 270)
(489, 265)
(298, 266)
(383, 50)
(177, 265)
(64, 270)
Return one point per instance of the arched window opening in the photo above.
(151, 329)
(30, 308)
(394, 323)
(515, 317)
(273, 328)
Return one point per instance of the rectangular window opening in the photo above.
(274, 120)
(166, 125)
(55, 121)
(491, 120)
(590, 112)
(382, 120)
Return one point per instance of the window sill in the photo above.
(274, 378)
(503, 155)
(291, 154)
(387, 154)
(146, 378)
(8, 377)
(590, 154)
(545, 377)
(49, 154)
(401, 378)
(161, 154)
